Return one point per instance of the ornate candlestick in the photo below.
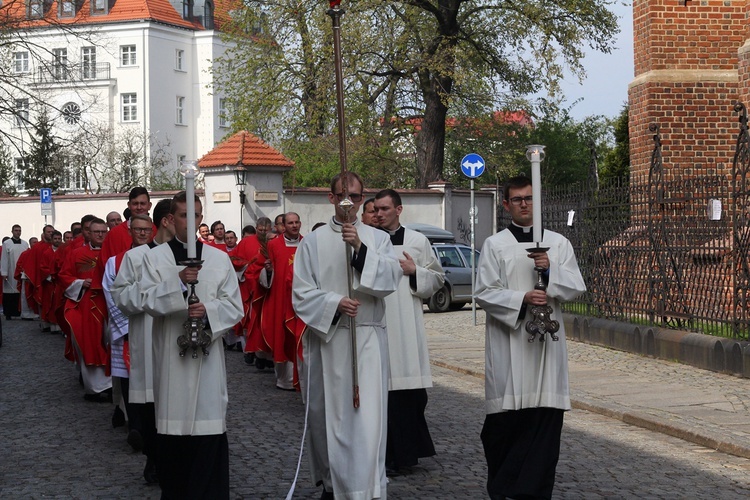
(195, 336)
(542, 322)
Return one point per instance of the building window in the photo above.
(67, 8)
(21, 62)
(36, 9)
(74, 178)
(180, 159)
(223, 113)
(20, 168)
(129, 107)
(88, 56)
(99, 6)
(208, 15)
(127, 55)
(129, 176)
(187, 9)
(22, 112)
(179, 111)
(71, 113)
(60, 64)
(179, 58)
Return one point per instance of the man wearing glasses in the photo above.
(526, 383)
(119, 240)
(86, 313)
(346, 444)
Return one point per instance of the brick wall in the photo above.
(687, 81)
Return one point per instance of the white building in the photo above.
(138, 69)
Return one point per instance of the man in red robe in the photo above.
(280, 326)
(86, 313)
(45, 293)
(253, 250)
(118, 240)
(81, 236)
(218, 232)
(30, 266)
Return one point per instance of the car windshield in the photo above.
(467, 255)
(449, 257)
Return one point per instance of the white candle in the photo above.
(189, 168)
(535, 154)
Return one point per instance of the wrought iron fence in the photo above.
(662, 248)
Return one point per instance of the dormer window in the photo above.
(187, 9)
(36, 9)
(67, 8)
(99, 6)
(208, 15)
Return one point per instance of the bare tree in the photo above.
(112, 162)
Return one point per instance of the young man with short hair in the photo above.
(526, 383)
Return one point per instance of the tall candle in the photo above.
(189, 169)
(535, 154)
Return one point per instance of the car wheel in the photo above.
(441, 300)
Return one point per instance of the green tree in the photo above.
(408, 65)
(7, 187)
(617, 162)
(45, 163)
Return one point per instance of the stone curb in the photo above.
(639, 419)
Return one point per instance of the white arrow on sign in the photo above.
(473, 166)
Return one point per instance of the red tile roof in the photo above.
(14, 14)
(244, 149)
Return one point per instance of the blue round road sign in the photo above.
(472, 165)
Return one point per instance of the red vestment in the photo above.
(85, 317)
(60, 257)
(220, 246)
(25, 266)
(278, 310)
(47, 275)
(31, 267)
(118, 240)
(251, 251)
(282, 329)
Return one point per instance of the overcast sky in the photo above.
(605, 89)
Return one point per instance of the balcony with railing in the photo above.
(60, 73)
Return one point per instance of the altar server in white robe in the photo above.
(526, 383)
(408, 435)
(190, 394)
(126, 294)
(12, 249)
(346, 445)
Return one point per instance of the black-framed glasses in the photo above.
(142, 230)
(516, 200)
(352, 196)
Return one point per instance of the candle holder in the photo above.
(541, 322)
(195, 336)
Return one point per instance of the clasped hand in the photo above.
(350, 235)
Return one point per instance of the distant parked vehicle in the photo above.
(456, 261)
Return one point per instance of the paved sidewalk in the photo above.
(700, 406)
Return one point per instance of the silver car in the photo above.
(456, 261)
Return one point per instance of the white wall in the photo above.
(66, 209)
(420, 205)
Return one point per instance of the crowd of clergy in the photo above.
(117, 288)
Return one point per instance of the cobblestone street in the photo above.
(56, 445)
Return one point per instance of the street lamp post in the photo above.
(240, 176)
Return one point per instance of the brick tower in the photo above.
(690, 57)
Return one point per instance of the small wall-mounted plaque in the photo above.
(265, 196)
(223, 197)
